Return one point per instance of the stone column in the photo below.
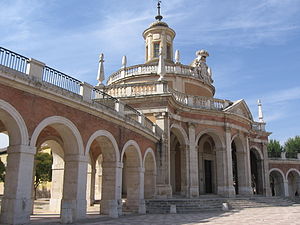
(135, 189)
(266, 176)
(225, 187)
(286, 188)
(244, 172)
(163, 186)
(193, 190)
(109, 189)
(17, 203)
(119, 187)
(200, 172)
(73, 204)
(56, 185)
(90, 187)
(184, 163)
(172, 170)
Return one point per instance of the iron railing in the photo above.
(13, 60)
(274, 154)
(291, 155)
(62, 80)
(132, 113)
(104, 98)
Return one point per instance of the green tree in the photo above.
(292, 145)
(2, 171)
(43, 169)
(274, 146)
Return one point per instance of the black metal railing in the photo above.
(13, 60)
(104, 98)
(291, 155)
(274, 154)
(62, 80)
(132, 112)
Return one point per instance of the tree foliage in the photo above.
(43, 168)
(292, 145)
(2, 171)
(274, 146)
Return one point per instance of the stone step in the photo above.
(206, 204)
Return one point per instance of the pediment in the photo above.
(240, 108)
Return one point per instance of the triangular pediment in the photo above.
(240, 108)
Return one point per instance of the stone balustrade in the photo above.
(200, 102)
(152, 88)
(138, 89)
(258, 126)
(144, 69)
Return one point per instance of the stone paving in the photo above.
(257, 216)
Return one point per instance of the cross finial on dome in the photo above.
(158, 17)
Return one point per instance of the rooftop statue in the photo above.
(201, 70)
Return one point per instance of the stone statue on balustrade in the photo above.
(201, 70)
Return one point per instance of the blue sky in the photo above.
(254, 45)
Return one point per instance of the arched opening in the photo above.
(150, 175)
(256, 172)
(207, 167)
(293, 179)
(19, 159)
(240, 168)
(48, 177)
(102, 172)
(276, 183)
(68, 197)
(4, 143)
(132, 178)
(178, 162)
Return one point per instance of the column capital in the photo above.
(21, 149)
(77, 158)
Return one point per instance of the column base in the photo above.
(142, 207)
(15, 211)
(245, 191)
(54, 205)
(163, 191)
(193, 192)
(226, 191)
(72, 210)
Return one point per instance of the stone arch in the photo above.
(216, 136)
(151, 152)
(293, 182)
(180, 133)
(102, 173)
(277, 181)
(149, 165)
(15, 124)
(17, 190)
(109, 136)
(210, 146)
(257, 152)
(292, 170)
(132, 176)
(56, 122)
(73, 203)
(239, 142)
(136, 147)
